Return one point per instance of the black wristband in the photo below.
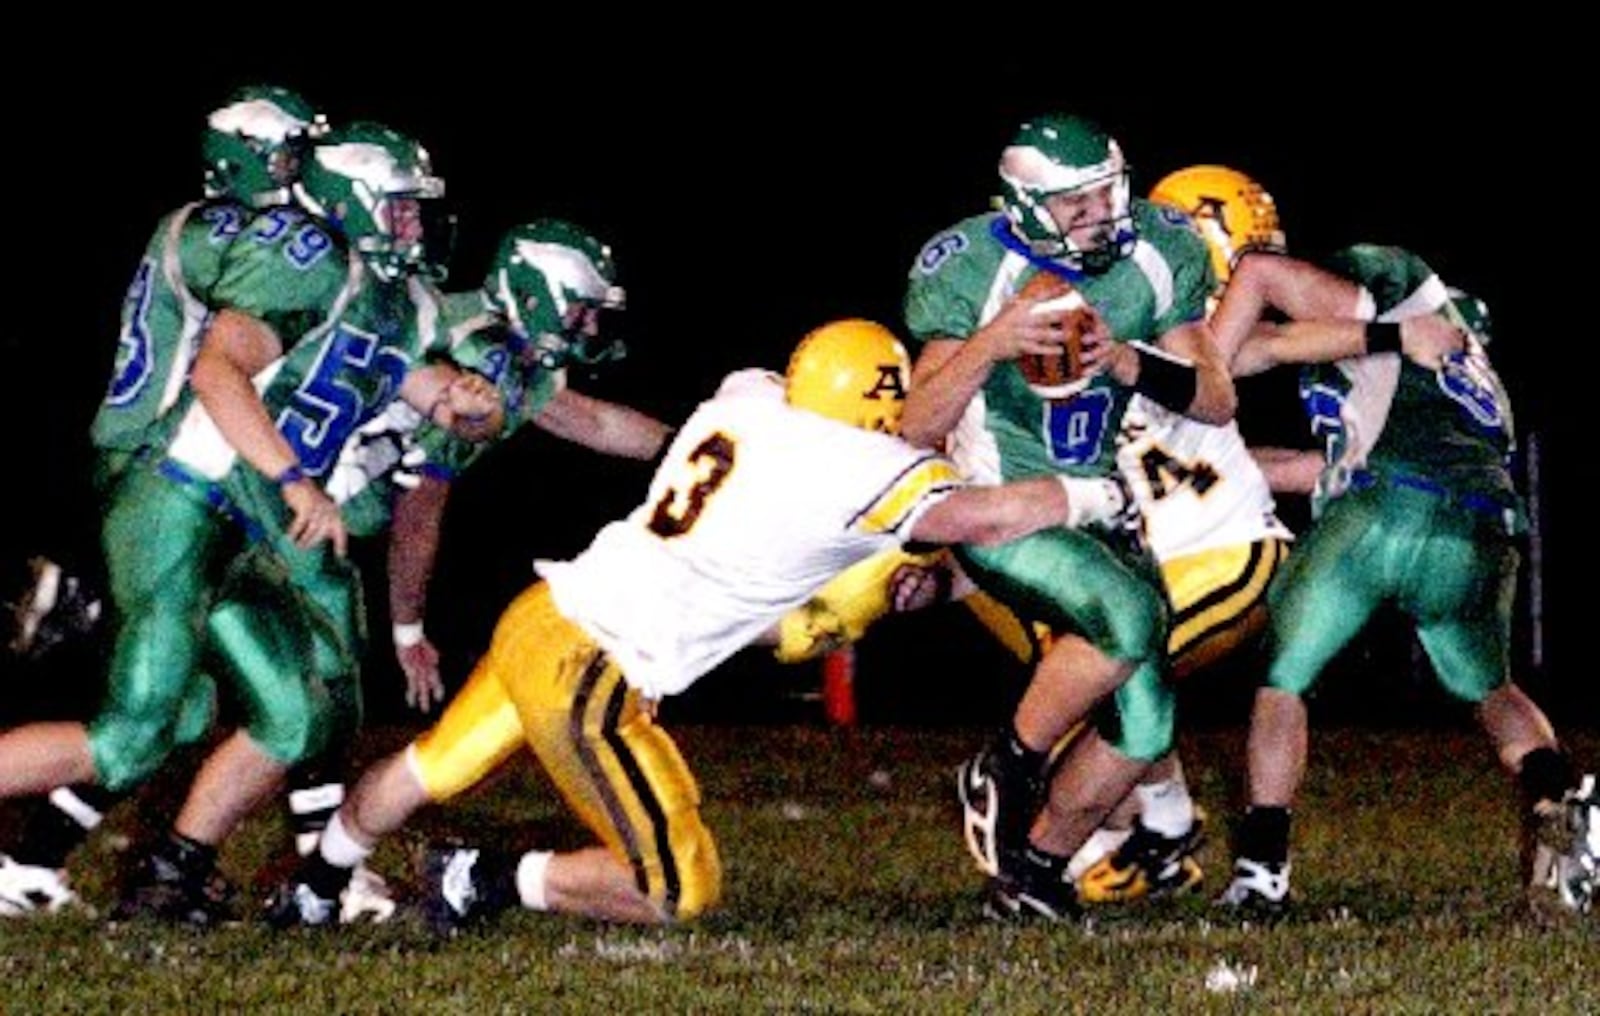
(1383, 336)
(1170, 382)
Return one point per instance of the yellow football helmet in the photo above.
(854, 371)
(1232, 212)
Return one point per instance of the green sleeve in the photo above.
(1393, 275)
(948, 283)
(284, 269)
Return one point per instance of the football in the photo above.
(1059, 375)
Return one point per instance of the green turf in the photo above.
(848, 890)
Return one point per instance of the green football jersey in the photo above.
(349, 339)
(402, 439)
(163, 318)
(965, 274)
(1387, 417)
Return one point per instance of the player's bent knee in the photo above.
(700, 877)
(1141, 717)
(294, 735)
(126, 750)
(1135, 626)
(1472, 688)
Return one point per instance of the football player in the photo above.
(1415, 506)
(769, 489)
(541, 310)
(251, 148)
(335, 302)
(1210, 520)
(1067, 209)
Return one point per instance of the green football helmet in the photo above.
(1471, 313)
(360, 177)
(254, 144)
(545, 277)
(1055, 154)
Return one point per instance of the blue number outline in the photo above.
(327, 408)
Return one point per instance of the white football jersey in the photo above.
(756, 505)
(1197, 485)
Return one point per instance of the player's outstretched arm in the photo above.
(997, 514)
(605, 427)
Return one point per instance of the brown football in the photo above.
(1060, 375)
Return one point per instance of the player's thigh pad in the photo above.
(478, 730)
(1464, 611)
(161, 547)
(1074, 580)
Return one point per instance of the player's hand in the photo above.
(420, 663)
(470, 406)
(916, 586)
(1017, 330)
(1429, 339)
(316, 517)
(1100, 352)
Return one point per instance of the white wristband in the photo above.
(408, 635)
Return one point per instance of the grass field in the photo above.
(848, 890)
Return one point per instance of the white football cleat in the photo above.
(366, 899)
(29, 889)
(1257, 885)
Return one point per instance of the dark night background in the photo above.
(750, 196)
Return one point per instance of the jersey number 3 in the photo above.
(677, 510)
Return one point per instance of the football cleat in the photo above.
(1147, 864)
(56, 607)
(996, 810)
(1033, 887)
(1257, 886)
(464, 886)
(159, 890)
(296, 905)
(31, 889)
(366, 899)
(1566, 858)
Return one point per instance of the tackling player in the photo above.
(768, 490)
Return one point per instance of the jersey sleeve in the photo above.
(1193, 282)
(943, 295)
(920, 484)
(445, 455)
(1188, 261)
(1400, 282)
